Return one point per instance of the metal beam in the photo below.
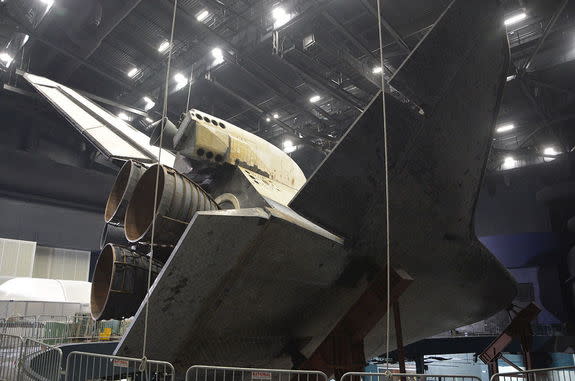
(387, 26)
(262, 112)
(351, 37)
(336, 93)
(550, 25)
(108, 25)
(305, 106)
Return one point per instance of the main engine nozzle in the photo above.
(177, 201)
(122, 191)
(120, 282)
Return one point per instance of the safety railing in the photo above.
(23, 326)
(60, 329)
(40, 362)
(389, 376)
(566, 373)
(82, 366)
(10, 355)
(220, 373)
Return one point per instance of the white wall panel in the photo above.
(16, 257)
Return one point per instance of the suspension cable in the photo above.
(162, 126)
(386, 171)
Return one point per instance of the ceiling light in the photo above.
(132, 72)
(377, 70)
(276, 116)
(550, 151)
(164, 46)
(149, 120)
(268, 119)
(49, 3)
(288, 146)
(124, 116)
(505, 128)
(280, 16)
(149, 104)
(181, 80)
(509, 163)
(218, 55)
(515, 19)
(202, 15)
(511, 78)
(315, 99)
(6, 59)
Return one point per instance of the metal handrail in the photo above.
(51, 367)
(417, 375)
(531, 371)
(139, 365)
(315, 373)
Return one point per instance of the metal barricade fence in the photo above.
(52, 329)
(40, 362)
(23, 326)
(220, 373)
(389, 376)
(82, 366)
(566, 373)
(10, 354)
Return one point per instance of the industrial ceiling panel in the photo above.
(111, 135)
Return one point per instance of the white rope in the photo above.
(386, 170)
(163, 124)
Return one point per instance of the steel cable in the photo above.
(386, 171)
(163, 125)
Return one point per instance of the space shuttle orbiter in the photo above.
(259, 267)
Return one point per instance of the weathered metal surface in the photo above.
(238, 287)
(203, 137)
(436, 166)
(113, 234)
(178, 199)
(122, 191)
(265, 286)
(120, 282)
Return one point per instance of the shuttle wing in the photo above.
(112, 136)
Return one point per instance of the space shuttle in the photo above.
(254, 265)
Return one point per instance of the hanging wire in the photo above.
(189, 88)
(386, 171)
(163, 124)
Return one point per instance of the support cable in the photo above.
(163, 125)
(386, 171)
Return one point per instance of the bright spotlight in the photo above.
(515, 19)
(218, 55)
(276, 116)
(132, 72)
(509, 163)
(163, 46)
(315, 99)
(6, 58)
(149, 103)
(288, 146)
(202, 15)
(280, 16)
(181, 80)
(505, 128)
(377, 70)
(550, 151)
